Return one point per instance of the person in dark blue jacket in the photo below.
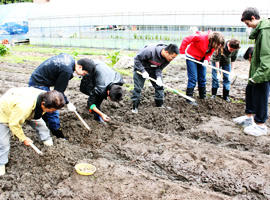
(56, 72)
(150, 61)
(101, 83)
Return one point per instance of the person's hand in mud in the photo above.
(105, 118)
(27, 141)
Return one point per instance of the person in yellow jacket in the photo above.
(20, 105)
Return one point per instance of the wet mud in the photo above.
(176, 152)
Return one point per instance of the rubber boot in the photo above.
(58, 133)
(214, 93)
(135, 106)
(226, 95)
(189, 92)
(159, 103)
(202, 92)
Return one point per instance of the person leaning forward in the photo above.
(20, 105)
(57, 71)
(102, 82)
(225, 61)
(150, 61)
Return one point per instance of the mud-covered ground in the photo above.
(183, 152)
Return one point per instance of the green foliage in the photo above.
(113, 57)
(129, 86)
(75, 53)
(3, 50)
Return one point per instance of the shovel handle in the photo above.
(83, 122)
(173, 90)
(35, 148)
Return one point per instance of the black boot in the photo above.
(189, 92)
(58, 133)
(202, 92)
(135, 106)
(226, 95)
(214, 93)
(159, 103)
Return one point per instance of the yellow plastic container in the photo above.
(85, 169)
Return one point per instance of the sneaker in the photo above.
(227, 99)
(193, 103)
(48, 142)
(244, 121)
(135, 110)
(2, 170)
(213, 97)
(256, 130)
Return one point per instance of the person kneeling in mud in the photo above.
(100, 83)
(28, 104)
(150, 62)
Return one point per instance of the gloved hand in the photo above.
(251, 81)
(145, 74)
(27, 141)
(71, 107)
(205, 63)
(159, 81)
(182, 56)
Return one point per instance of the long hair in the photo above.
(216, 38)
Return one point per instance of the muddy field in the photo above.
(179, 153)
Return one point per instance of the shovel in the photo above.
(173, 90)
(83, 122)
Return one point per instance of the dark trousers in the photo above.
(257, 101)
(138, 86)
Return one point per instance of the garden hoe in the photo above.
(83, 122)
(36, 149)
(220, 70)
(171, 89)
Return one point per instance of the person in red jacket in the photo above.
(200, 47)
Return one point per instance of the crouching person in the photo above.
(102, 82)
(19, 105)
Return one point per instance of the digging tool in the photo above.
(221, 70)
(83, 122)
(173, 90)
(35, 148)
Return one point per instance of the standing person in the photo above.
(18, 105)
(259, 74)
(224, 61)
(150, 61)
(57, 71)
(200, 47)
(101, 83)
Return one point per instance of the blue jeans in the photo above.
(196, 72)
(52, 119)
(226, 77)
(257, 101)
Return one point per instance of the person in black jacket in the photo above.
(101, 83)
(56, 72)
(150, 61)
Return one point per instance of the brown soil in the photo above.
(180, 153)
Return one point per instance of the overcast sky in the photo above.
(155, 5)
